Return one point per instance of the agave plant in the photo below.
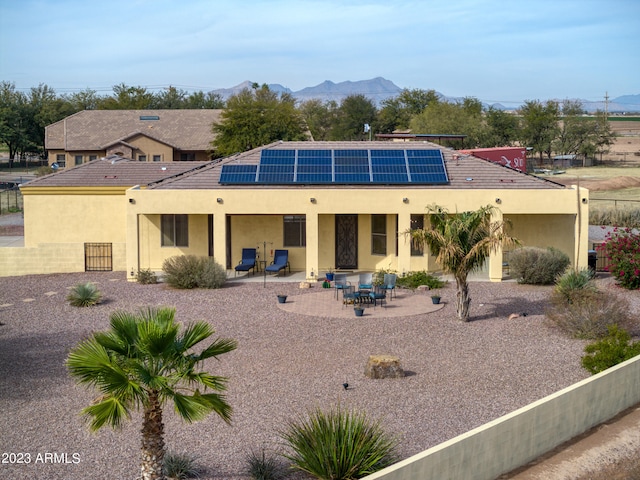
(84, 295)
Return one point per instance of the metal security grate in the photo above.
(98, 257)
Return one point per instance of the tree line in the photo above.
(258, 115)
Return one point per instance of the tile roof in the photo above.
(464, 172)
(114, 171)
(98, 129)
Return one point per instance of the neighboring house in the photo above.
(143, 135)
(338, 205)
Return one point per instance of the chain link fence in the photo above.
(10, 200)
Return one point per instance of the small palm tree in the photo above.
(461, 243)
(144, 360)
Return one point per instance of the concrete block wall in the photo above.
(522, 436)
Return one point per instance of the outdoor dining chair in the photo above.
(340, 282)
(248, 261)
(378, 294)
(389, 283)
(365, 281)
(349, 295)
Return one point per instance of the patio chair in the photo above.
(248, 261)
(340, 282)
(349, 295)
(378, 294)
(280, 262)
(389, 283)
(365, 281)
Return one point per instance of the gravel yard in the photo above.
(459, 375)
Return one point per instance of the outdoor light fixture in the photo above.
(219, 200)
(312, 200)
(405, 200)
(498, 200)
(132, 200)
(584, 200)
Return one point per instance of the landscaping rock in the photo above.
(384, 366)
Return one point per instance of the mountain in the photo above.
(379, 89)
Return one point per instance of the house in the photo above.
(143, 135)
(338, 205)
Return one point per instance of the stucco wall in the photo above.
(522, 436)
(149, 147)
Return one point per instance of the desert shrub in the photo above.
(191, 271)
(415, 279)
(378, 275)
(537, 266)
(84, 295)
(146, 277)
(42, 171)
(628, 217)
(588, 314)
(179, 466)
(338, 444)
(263, 466)
(622, 249)
(574, 282)
(614, 348)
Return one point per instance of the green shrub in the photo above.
(378, 276)
(84, 295)
(179, 466)
(338, 445)
(415, 279)
(146, 277)
(261, 466)
(611, 350)
(537, 266)
(42, 171)
(574, 282)
(588, 313)
(190, 271)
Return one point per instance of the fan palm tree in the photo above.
(461, 243)
(143, 361)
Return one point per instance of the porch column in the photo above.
(312, 249)
(495, 258)
(220, 238)
(404, 242)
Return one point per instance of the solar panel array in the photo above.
(343, 167)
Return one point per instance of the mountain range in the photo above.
(379, 89)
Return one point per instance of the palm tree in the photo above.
(461, 244)
(143, 361)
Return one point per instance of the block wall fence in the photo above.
(517, 438)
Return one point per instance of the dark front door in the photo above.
(347, 241)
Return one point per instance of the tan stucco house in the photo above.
(338, 205)
(142, 135)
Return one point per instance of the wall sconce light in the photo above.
(132, 200)
(498, 200)
(405, 200)
(219, 200)
(312, 200)
(584, 200)
(132, 272)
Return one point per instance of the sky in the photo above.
(496, 51)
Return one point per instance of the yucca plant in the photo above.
(84, 295)
(179, 466)
(574, 282)
(338, 444)
(263, 466)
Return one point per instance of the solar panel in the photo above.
(238, 174)
(341, 166)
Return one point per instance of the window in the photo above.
(379, 234)
(61, 160)
(175, 230)
(187, 157)
(295, 231)
(417, 223)
(142, 158)
(157, 158)
(93, 157)
(78, 159)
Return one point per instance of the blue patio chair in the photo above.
(349, 295)
(389, 283)
(280, 262)
(248, 261)
(378, 294)
(365, 281)
(340, 282)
